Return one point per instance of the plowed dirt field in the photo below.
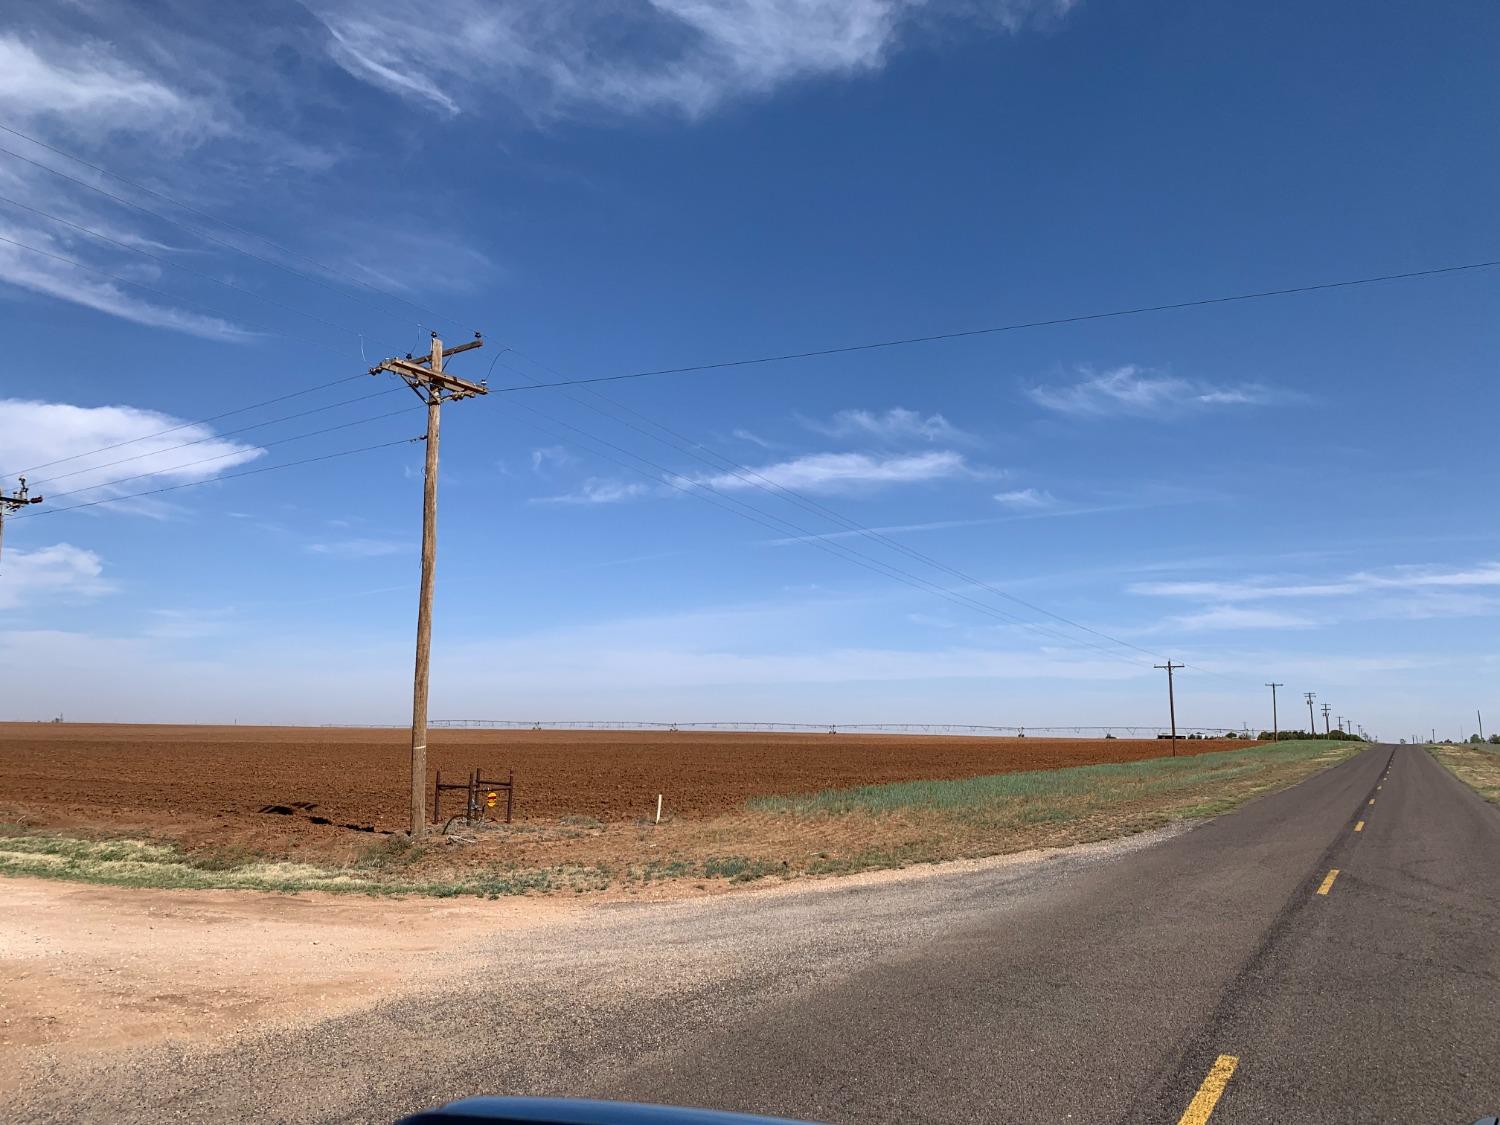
(201, 784)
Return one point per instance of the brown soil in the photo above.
(207, 785)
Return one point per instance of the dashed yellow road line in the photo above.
(1360, 827)
(1208, 1095)
(1328, 881)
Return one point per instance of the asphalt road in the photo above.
(1111, 984)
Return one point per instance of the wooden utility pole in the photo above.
(435, 387)
(1275, 724)
(1169, 667)
(14, 503)
(1312, 722)
(1327, 730)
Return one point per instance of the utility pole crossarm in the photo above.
(423, 378)
(14, 503)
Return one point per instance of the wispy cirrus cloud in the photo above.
(1138, 391)
(598, 490)
(826, 474)
(897, 424)
(1026, 499)
(1361, 582)
(835, 473)
(90, 88)
(549, 58)
(359, 548)
(1408, 593)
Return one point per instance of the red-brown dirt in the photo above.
(201, 784)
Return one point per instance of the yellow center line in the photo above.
(1328, 881)
(1208, 1095)
(1372, 800)
(1360, 827)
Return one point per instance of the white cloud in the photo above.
(549, 456)
(896, 424)
(822, 473)
(845, 472)
(60, 572)
(86, 86)
(1239, 617)
(597, 490)
(1026, 499)
(1134, 390)
(36, 433)
(359, 548)
(551, 57)
(44, 266)
(1399, 578)
(753, 438)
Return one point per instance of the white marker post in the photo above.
(658, 808)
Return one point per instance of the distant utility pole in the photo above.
(1275, 724)
(1169, 668)
(1480, 717)
(434, 387)
(14, 503)
(1312, 722)
(1341, 725)
(1327, 730)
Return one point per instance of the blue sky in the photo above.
(1298, 488)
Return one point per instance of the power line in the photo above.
(217, 436)
(226, 476)
(233, 453)
(757, 480)
(205, 215)
(1051, 322)
(185, 425)
(780, 525)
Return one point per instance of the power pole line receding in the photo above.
(14, 503)
(1275, 724)
(1169, 668)
(434, 387)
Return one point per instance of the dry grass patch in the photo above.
(1475, 764)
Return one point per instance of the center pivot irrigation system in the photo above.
(1133, 731)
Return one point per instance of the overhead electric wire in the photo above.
(739, 471)
(236, 452)
(723, 463)
(969, 332)
(768, 520)
(185, 425)
(216, 480)
(217, 436)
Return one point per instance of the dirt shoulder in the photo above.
(91, 968)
